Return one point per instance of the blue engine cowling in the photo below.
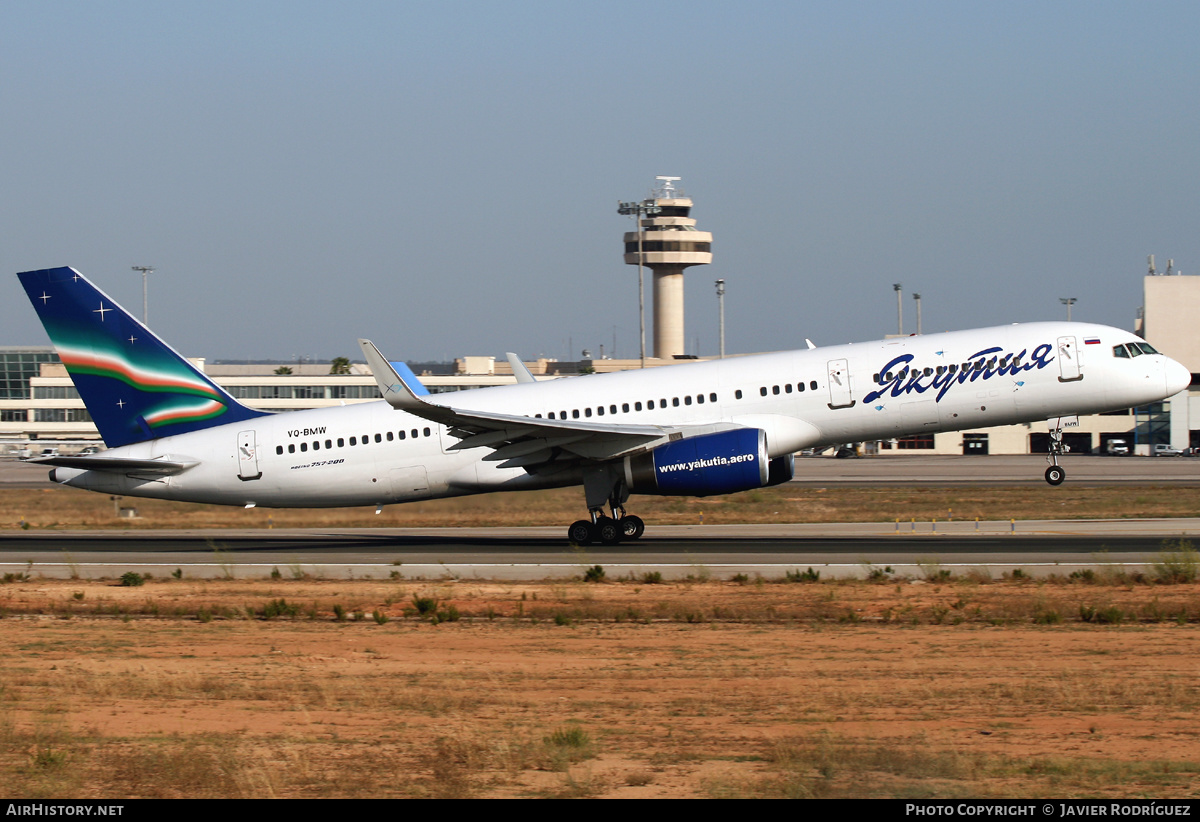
(701, 466)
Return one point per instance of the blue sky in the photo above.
(443, 178)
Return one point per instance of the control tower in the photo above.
(669, 244)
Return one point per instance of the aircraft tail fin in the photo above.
(135, 386)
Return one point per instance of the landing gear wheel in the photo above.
(1055, 475)
(581, 532)
(608, 531)
(632, 527)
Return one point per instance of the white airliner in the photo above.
(697, 429)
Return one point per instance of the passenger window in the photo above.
(612, 409)
(354, 440)
(574, 413)
(341, 442)
(400, 434)
(414, 433)
(378, 438)
(712, 397)
(650, 405)
(737, 395)
(625, 407)
(390, 436)
(812, 384)
(278, 449)
(700, 399)
(316, 445)
(787, 389)
(304, 446)
(328, 443)
(928, 372)
(637, 406)
(292, 448)
(763, 391)
(427, 431)
(774, 389)
(600, 410)
(686, 400)
(551, 415)
(587, 412)
(800, 387)
(675, 402)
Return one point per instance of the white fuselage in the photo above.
(372, 454)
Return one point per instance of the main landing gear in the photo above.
(1055, 474)
(605, 529)
(601, 490)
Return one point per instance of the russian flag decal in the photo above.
(1091, 340)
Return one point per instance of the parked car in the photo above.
(91, 449)
(1165, 451)
(49, 452)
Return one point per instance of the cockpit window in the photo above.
(1120, 352)
(1146, 347)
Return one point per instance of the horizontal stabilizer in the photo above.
(117, 465)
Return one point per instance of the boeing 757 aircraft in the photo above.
(697, 429)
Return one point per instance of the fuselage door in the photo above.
(1068, 360)
(839, 384)
(247, 454)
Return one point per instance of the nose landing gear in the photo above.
(1055, 474)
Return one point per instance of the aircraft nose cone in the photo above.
(1178, 377)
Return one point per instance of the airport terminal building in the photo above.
(38, 401)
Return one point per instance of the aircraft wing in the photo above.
(117, 465)
(525, 441)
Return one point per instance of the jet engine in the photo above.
(707, 464)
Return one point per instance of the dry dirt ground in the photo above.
(310, 688)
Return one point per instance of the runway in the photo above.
(836, 550)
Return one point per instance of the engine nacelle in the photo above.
(701, 466)
(781, 469)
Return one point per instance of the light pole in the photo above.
(721, 313)
(899, 289)
(637, 209)
(1068, 302)
(917, 299)
(145, 269)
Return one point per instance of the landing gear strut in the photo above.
(604, 528)
(1055, 474)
